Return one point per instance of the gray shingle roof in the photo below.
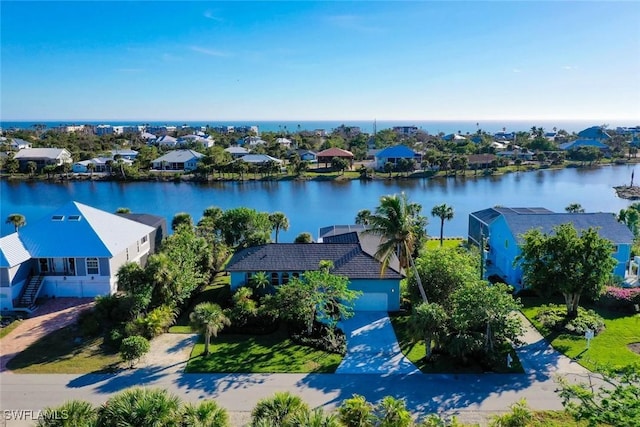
(348, 258)
(608, 226)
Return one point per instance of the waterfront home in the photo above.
(237, 152)
(177, 160)
(307, 155)
(124, 154)
(516, 154)
(578, 143)
(327, 155)
(394, 154)
(43, 157)
(500, 230)
(597, 133)
(75, 251)
(352, 257)
(259, 159)
(100, 165)
(480, 161)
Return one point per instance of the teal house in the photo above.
(499, 231)
(352, 257)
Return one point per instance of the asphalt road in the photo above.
(424, 394)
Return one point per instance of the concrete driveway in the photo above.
(372, 347)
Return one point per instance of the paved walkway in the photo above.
(169, 352)
(372, 346)
(539, 358)
(50, 316)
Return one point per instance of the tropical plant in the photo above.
(357, 412)
(362, 217)
(133, 348)
(18, 220)
(519, 416)
(205, 414)
(209, 319)
(392, 412)
(123, 210)
(399, 225)
(428, 322)
(316, 418)
(72, 413)
(282, 409)
(573, 264)
(279, 221)
(31, 168)
(181, 219)
(304, 237)
(140, 407)
(445, 213)
(574, 208)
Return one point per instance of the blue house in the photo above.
(500, 229)
(394, 154)
(574, 145)
(351, 254)
(594, 132)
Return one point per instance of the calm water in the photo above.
(310, 205)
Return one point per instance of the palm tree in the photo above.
(445, 213)
(279, 221)
(209, 319)
(207, 413)
(280, 410)
(399, 225)
(362, 217)
(91, 167)
(78, 413)
(140, 407)
(31, 168)
(260, 280)
(18, 220)
(574, 208)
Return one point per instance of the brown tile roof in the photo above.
(335, 152)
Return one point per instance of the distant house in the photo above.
(480, 161)
(124, 154)
(74, 252)
(237, 152)
(405, 130)
(166, 141)
(353, 257)
(501, 230)
(516, 154)
(578, 143)
(43, 157)
(285, 142)
(204, 141)
(149, 137)
(19, 144)
(104, 130)
(597, 133)
(251, 141)
(454, 137)
(177, 160)
(327, 155)
(259, 159)
(307, 155)
(100, 164)
(394, 155)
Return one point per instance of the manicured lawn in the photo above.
(260, 354)
(415, 352)
(10, 327)
(446, 243)
(58, 353)
(608, 349)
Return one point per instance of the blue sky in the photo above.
(320, 60)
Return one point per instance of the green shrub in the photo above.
(280, 410)
(393, 412)
(207, 413)
(554, 317)
(73, 413)
(356, 412)
(115, 308)
(520, 416)
(140, 407)
(133, 348)
(114, 338)
(322, 338)
(158, 321)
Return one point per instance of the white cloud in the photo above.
(209, 15)
(516, 70)
(569, 67)
(207, 51)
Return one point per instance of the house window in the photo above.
(285, 278)
(275, 279)
(74, 217)
(295, 275)
(57, 218)
(44, 265)
(70, 266)
(615, 249)
(144, 239)
(92, 266)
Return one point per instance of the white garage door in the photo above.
(372, 302)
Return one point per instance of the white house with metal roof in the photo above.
(43, 157)
(74, 252)
(178, 160)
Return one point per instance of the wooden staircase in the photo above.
(27, 299)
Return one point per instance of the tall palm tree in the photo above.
(209, 319)
(399, 225)
(279, 221)
(18, 220)
(445, 213)
(362, 217)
